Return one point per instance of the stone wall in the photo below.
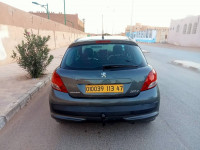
(72, 20)
(13, 22)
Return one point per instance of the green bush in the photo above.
(32, 54)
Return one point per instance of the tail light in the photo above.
(57, 83)
(151, 81)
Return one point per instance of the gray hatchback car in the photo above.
(104, 79)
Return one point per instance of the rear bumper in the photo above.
(128, 119)
(144, 106)
(63, 113)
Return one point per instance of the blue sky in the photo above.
(117, 13)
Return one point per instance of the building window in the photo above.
(150, 34)
(194, 30)
(189, 28)
(147, 34)
(177, 28)
(184, 29)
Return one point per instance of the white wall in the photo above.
(178, 38)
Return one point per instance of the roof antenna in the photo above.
(102, 29)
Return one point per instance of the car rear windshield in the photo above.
(96, 56)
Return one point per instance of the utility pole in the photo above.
(65, 14)
(131, 19)
(48, 10)
(83, 25)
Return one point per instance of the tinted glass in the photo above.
(98, 55)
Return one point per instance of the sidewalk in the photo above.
(17, 88)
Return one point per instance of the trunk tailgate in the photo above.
(131, 79)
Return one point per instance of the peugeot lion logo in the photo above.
(103, 75)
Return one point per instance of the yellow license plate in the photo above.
(114, 88)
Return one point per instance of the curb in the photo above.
(145, 51)
(22, 101)
(185, 65)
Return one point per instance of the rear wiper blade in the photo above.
(119, 66)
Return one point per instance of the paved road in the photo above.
(177, 126)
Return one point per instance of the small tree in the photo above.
(32, 54)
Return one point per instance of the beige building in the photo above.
(185, 32)
(137, 27)
(149, 34)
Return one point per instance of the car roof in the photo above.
(111, 39)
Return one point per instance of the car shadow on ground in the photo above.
(99, 128)
(95, 135)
